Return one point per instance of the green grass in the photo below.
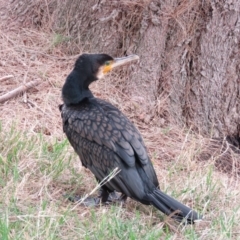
(37, 170)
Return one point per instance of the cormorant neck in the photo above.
(74, 91)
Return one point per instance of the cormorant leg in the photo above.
(105, 196)
(109, 197)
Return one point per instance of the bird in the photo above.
(105, 139)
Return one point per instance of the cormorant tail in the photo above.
(170, 206)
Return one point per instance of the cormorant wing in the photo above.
(102, 123)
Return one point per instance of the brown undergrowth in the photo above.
(28, 54)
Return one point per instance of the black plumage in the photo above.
(105, 139)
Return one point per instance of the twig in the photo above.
(36, 106)
(18, 90)
(6, 77)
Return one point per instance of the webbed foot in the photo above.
(104, 197)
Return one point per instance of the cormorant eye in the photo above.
(107, 63)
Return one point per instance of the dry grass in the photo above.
(38, 166)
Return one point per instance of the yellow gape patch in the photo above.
(103, 70)
(107, 68)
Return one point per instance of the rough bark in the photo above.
(206, 73)
(219, 81)
(190, 59)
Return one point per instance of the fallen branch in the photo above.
(6, 77)
(18, 90)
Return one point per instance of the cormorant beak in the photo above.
(124, 60)
(117, 62)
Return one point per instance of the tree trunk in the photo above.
(189, 50)
(205, 75)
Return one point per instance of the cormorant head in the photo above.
(89, 68)
(95, 66)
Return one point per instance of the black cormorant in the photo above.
(105, 139)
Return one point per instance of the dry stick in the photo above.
(6, 77)
(18, 90)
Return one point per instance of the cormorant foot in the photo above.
(113, 197)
